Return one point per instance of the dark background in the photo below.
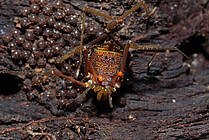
(169, 102)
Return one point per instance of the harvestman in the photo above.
(104, 63)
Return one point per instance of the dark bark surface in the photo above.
(171, 101)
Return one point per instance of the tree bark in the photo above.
(170, 101)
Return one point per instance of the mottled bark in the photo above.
(170, 101)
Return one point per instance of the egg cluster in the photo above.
(44, 31)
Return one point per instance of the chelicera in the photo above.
(105, 62)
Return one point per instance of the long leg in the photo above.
(81, 44)
(87, 84)
(114, 23)
(135, 7)
(52, 72)
(154, 48)
(150, 62)
(92, 11)
(70, 78)
(86, 62)
(76, 50)
(80, 48)
(109, 26)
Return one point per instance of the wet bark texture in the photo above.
(170, 101)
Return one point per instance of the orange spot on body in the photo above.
(100, 78)
(120, 73)
(120, 20)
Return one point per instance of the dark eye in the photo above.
(105, 58)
